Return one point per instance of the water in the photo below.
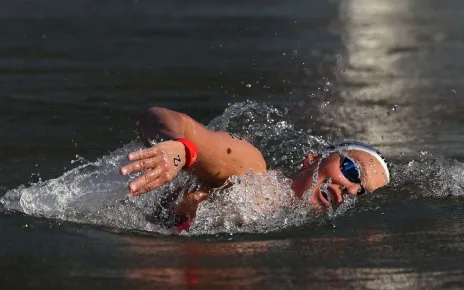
(75, 75)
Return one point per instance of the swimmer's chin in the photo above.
(319, 199)
(323, 203)
(318, 205)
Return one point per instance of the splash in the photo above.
(431, 176)
(255, 203)
(283, 146)
(95, 192)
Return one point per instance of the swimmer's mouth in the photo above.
(333, 199)
(323, 199)
(324, 195)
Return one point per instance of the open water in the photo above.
(290, 76)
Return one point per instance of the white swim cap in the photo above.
(354, 145)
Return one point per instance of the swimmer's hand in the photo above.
(162, 162)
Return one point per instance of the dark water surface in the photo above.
(74, 75)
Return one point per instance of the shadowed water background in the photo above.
(74, 76)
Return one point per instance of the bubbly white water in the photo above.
(256, 203)
(95, 192)
(434, 177)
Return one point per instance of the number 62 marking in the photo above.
(177, 160)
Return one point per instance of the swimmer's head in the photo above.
(348, 168)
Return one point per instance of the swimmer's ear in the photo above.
(310, 159)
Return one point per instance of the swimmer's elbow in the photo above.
(260, 165)
(254, 164)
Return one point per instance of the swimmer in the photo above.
(177, 142)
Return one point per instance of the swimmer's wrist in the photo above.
(191, 151)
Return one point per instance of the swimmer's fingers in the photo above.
(150, 180)
(139, 165)
(143, 154)
(146, 188)
(145, 179)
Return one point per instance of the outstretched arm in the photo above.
(220, 154)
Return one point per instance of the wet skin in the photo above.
(373, 176)
(222, 154)
(329, 177)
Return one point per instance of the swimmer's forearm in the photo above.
(160, 124)
(220, 154)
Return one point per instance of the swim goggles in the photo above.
(351, 172)
(349, 169)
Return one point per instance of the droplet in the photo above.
(324, 105)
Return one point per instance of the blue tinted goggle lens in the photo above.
(350, 170)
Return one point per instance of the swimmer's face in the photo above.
(331, 180)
